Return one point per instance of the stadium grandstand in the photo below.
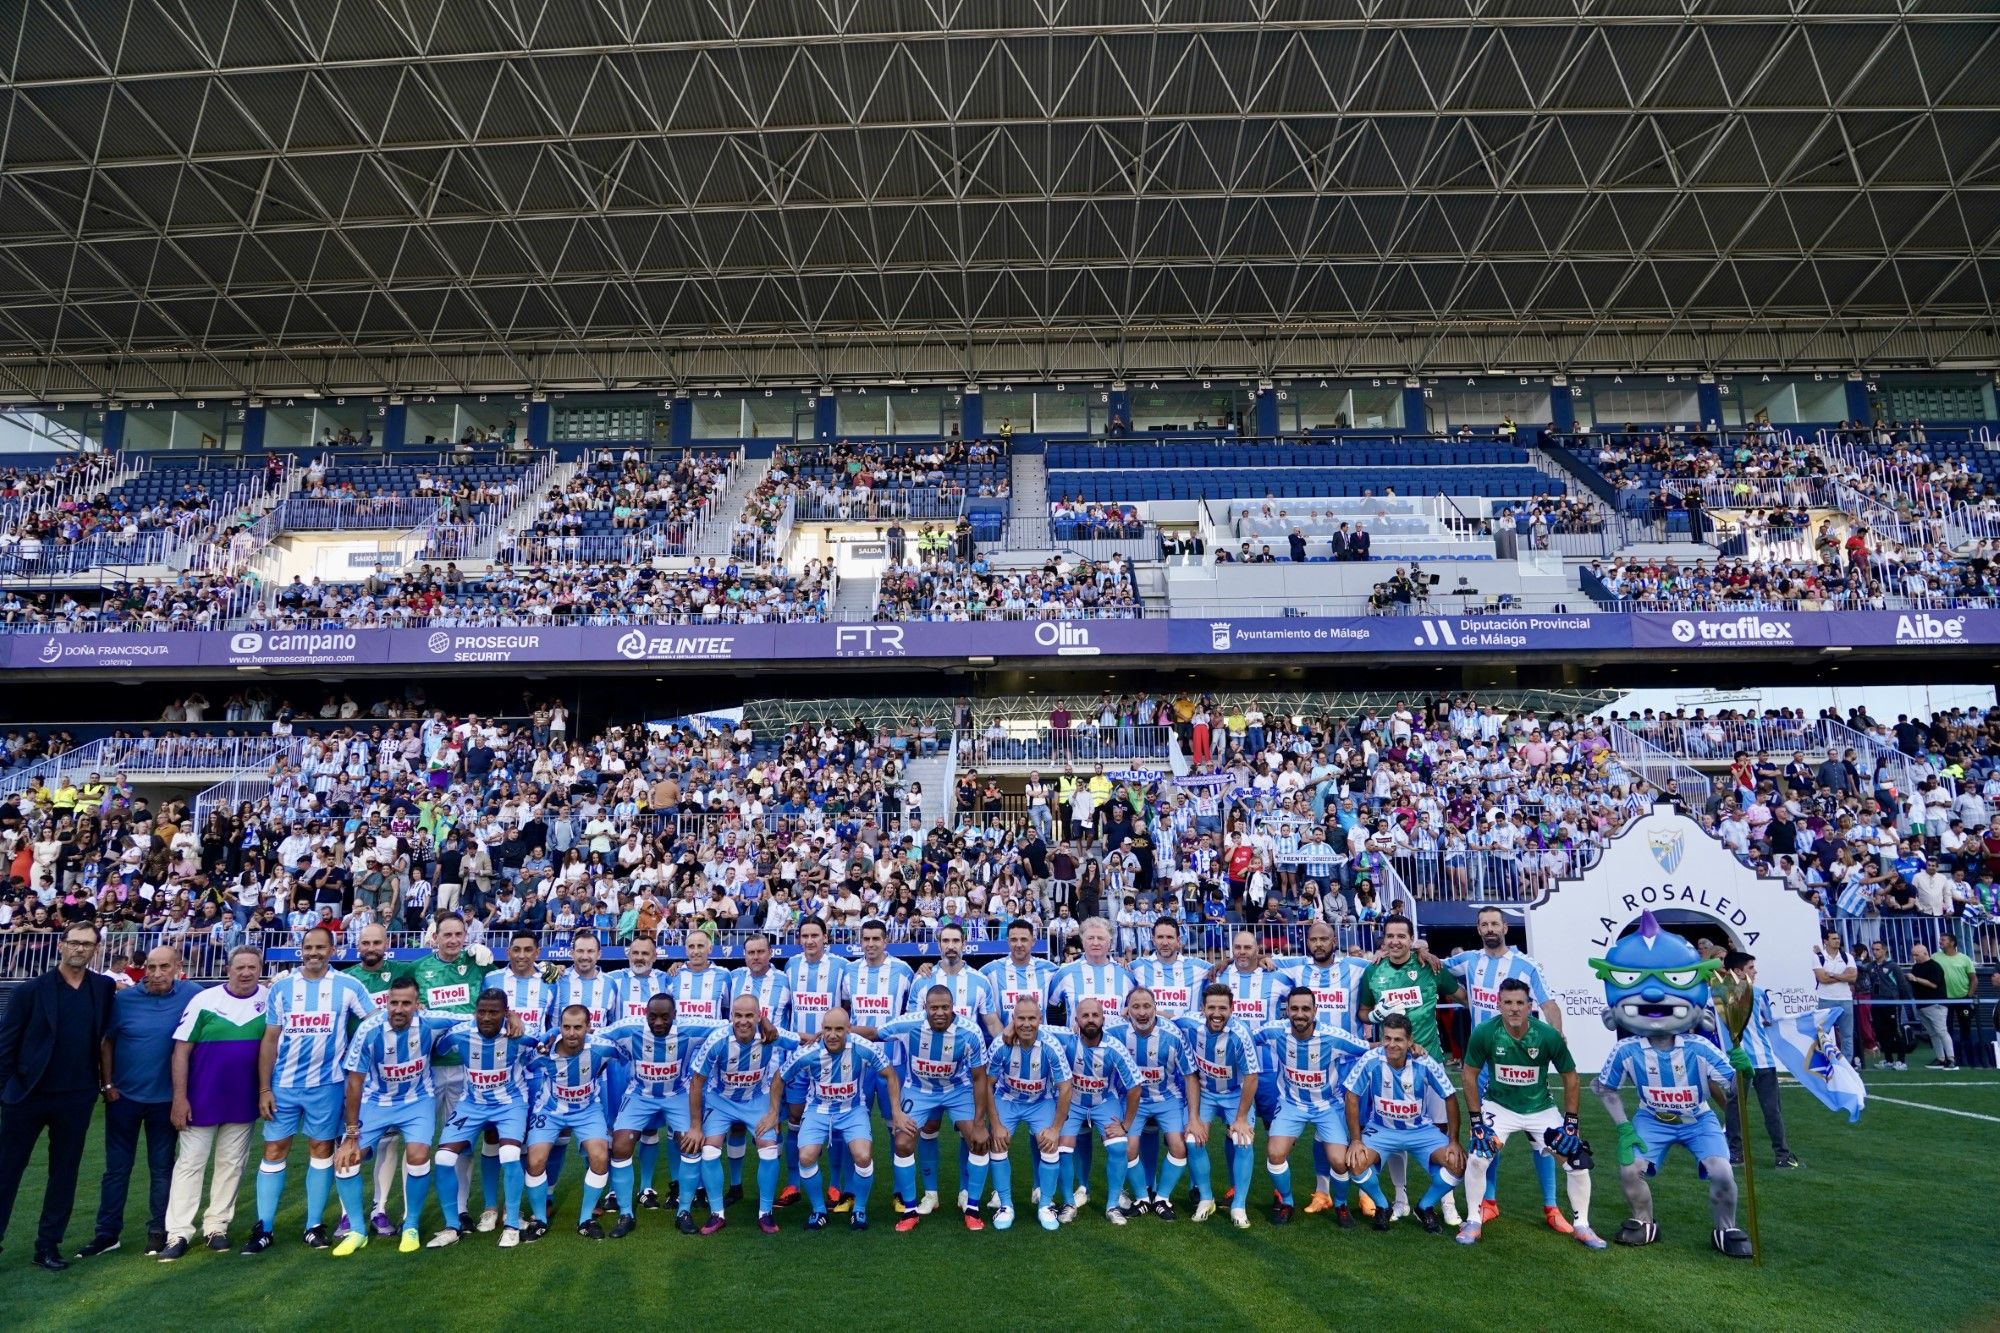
(1046, 505)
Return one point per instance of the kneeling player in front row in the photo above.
(1506, 1088)
(943, 1060)
(1307, 1059)
(1031, 1086)
(835, 1074)
(1223, 1054)
(731, 1088)
(1385, 1092)
(569, 1097)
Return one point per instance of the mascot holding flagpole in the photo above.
(1657, 987)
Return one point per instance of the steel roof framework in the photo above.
(566, 193)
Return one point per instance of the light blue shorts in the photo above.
(642, 1113)
(1329, 1123)
(851, 1125)
(415, 1123)
(584, 1121)
(1701, 1136)
(319, 1108)
(952, 1104)
(467, 1120)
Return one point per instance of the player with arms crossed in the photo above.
(1506, 1088)
(1309, 1058)
(943, 1062)
(1224, 1057)
(306, 1025)
(1105, 1087)
(731, 1090)
(836, 1070)
(1031, 1086)
(1391, 1091)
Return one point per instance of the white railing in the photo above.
(1656, 766)
(1040, 747)
(156, 754)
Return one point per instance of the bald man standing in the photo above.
(139, 1092)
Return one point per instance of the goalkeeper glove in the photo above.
(1481, 1140)
(1567, 1141)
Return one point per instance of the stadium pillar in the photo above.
(1857, 401)
(1709, 399)
(972, 413)
(680, 420)
(1416, 413)
(826, 416)
(1266, 409)
(538, 424)
(395, 419)
(1562, 408)
(114, 429)
(253, 430)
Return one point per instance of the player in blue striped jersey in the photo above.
(1387, 1113)
(1334, 978)
(1031, 1086)
(1223, 1056)
(836, 1070)
(391, 1091)
(307, 1020)
(1481, 973)
(568, 1081)
(767, 985)
(1257, 997)
(819, 986)
(1095, 976)
(530, 997)
(1164, 1080)
(1105, 1087)
(1174, 978)
(496, 1052)
(661, 1049)
(637, 982)
(942, 1060)
(587, 984)
(878, 992)
(1020, 974)
(730, 1089)
(1307, 1059)
(972, 998)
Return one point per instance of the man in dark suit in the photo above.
(51, 1073)
(1358, 545)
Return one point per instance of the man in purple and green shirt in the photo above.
(215, 1099)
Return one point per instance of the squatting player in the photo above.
(1391, 1090)
(1308, 1058)
(1224, 1057)
(1031, 1086)
(1105, 1089)
(835, 1071)
(943, 1059)
(731, 1090)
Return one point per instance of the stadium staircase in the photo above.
(1028, 515)
(936, 773)
(715, 537)
(855, 598)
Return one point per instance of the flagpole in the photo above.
(1749, 1173)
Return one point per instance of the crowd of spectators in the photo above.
(720, 591)
(623, 498)
(183, 602)
(953, 587)
(1836, 566)
(1079, 519)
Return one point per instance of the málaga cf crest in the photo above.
(1666, 845)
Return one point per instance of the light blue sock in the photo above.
(1242, 1160)
(270, 1189)
(1545, 1171)
(903, 1173)
(1281, 1181)
(319, 1185)
(1370, 1183)
(863, 1180)
(349, 1188)
(1065, 1173)
(1002, 1168)
(537, 1190)
(711, 1177)
(649, 1160)
(1441, 1183)
(489, 1174)
(689, 1177)
(767, 1176)
(927, 1160)
(621, 1185)
(1045, 1178)
(1341, 1182)
(416, 1193)
(447, 1190)
(1114, 1169)
(593, 1190)
(975, 1178)
(814, 1185)
(1493, 1177)
(1171, 1170)
(511, 1176)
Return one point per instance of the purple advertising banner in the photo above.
(1525, 632)
(1755, 630)
(684, 645)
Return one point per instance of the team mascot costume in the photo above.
(1657, 989)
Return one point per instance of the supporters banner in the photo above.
(1525, 632)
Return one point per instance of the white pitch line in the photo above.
(1942, 1110)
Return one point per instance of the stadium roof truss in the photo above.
(265, 195)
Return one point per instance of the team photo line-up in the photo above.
(453, 1065)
